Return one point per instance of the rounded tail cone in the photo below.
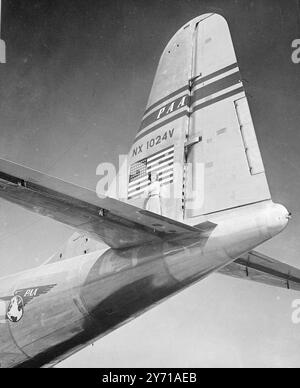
(277, 218)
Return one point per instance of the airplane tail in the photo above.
(197, 134)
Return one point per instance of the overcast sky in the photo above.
(72, 94)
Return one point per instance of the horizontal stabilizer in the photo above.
(263, 269)
(116, 223)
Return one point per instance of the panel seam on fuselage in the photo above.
(235, 207)
(16, 344)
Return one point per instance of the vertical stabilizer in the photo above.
(197, 133)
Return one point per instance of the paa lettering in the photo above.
(31, 292)
(175, 105)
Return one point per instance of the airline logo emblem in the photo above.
(21, 297)
(15, 310)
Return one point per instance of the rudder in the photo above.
(230, 170)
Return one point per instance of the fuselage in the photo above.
(93, 294)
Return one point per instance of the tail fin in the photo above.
(197, 132)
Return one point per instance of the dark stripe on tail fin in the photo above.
(187, 113)
(195, 83)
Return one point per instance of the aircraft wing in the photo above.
(114, 222)
(263, 269)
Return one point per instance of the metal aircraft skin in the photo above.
(198, 137)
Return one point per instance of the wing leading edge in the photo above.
(105, 219)
(263, 269)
